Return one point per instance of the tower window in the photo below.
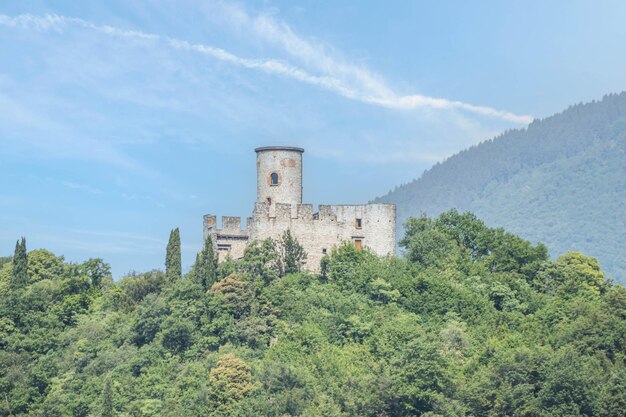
(324, 251)
(358, 244)
(358, 224)
(273, 178)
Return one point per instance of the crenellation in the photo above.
(210, 221)
(305, 212)
(283, 212)
(231, 224)
(325, 213)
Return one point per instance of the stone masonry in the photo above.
(279, 208)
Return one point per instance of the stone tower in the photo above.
(279, 175)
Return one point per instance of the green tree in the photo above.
(43, 264)
(177, 334)
(234, 294)
(231, 381)
(261, 262)
(426, 245)
(205, 268)
(292, 254)
(580, 272)
(19, 278)
(173, 268)
(107, 399)
(97, 270)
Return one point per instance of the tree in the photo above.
(177, 334)
(173, 269)
(235, 294)
(205, 268)
(426, 245)
(43, 264)
(580, 272)
(261, 262)
(19, 278)
(231, 381)
(292, 254)
(107, 399)
(97, 270)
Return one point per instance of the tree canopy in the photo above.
(470, 321)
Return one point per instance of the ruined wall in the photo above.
(286, 163)
(332, 225)
(230, 239)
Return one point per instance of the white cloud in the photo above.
(366, 86)
(82, 187)
(322, 68)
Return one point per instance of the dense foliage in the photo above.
(561, 181)
(473, 321)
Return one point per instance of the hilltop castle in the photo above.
(279, 207)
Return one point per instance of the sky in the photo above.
(123, 119)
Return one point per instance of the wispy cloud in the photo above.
(82, 187)
(365, 85)
(321, 68)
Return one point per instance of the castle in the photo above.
(279, 207)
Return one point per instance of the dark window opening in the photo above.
(223, 247)
(359, 223)
(274, 178)
(269, 200)
(324, 251)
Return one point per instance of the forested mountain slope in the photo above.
(561, 181)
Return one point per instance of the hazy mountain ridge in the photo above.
(560, 181)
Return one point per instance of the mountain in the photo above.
(560, 181)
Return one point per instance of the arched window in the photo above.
(274, 178)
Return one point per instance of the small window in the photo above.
(324, 251)
(269, 200)
(358, 223)
(358, 244)
(222, 247)
(273, 178)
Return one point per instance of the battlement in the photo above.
(231, 226)
(282, 212)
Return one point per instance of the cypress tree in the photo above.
(19, 278)
(205, 268)
(173, 268)
(107, 399)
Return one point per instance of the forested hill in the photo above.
(472, 321)
(561, 181)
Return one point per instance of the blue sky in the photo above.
(122, 119)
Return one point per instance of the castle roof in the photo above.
(278, 148)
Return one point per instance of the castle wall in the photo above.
(230, 239)
(330, 226)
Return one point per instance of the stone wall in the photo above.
(230, 239)
(332, 225)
